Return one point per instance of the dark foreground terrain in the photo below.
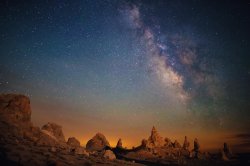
(21, 143)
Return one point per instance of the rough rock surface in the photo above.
(15, 109)
(73, 142)
(155, 140)
(119, 143)
(23, 144)
(144, 143)
(54, 130)
(108, 154)
(81, 151)
(176, 144)
(97, 143)
(168, 143)
(46, 140)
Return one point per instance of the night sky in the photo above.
(120, 67)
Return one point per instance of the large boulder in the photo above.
(108, 154)
(46, 139)
(15, 108)
(54, 130)
(155, 140)
(97, 143)
(73, 142)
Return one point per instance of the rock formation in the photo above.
(168, 143)
(54, 130)
(196, 149)
(97, 143)
(81, 151)
(223, 156)
(144, 143)
(176, 144)
(73, 142)
(227, 150)
(108, 154)
(196, 145)
(15, 109)
(155, 140)
(23, 144)
(186, 144)
(119, 143)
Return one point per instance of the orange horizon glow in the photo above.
(84, 128)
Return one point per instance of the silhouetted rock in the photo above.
(196, 150)
(55, 130)
(168, 143)
(227, 150)
(108, 154)
(196, 145)
(176, 144)
(97, 143)
(223, 156)
(144, 143)
(119, 143)
(186, 144)
(73, 142)
(155, 140)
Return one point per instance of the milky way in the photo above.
(114, 66)
(179, 71)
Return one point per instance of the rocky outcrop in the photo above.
(108, 154)
(23, 144)
(176, 144)
(227, 150)
(46, 140)
(196, 151)
(155, 140)
(226, 153)
(54, 130)
(15, 109)
(196, 145)
(168, 143)
(144, 143)
(186, 144)
(119, 143)
(223, 156)
(97, 143)
(73, 142)
(81, 151)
